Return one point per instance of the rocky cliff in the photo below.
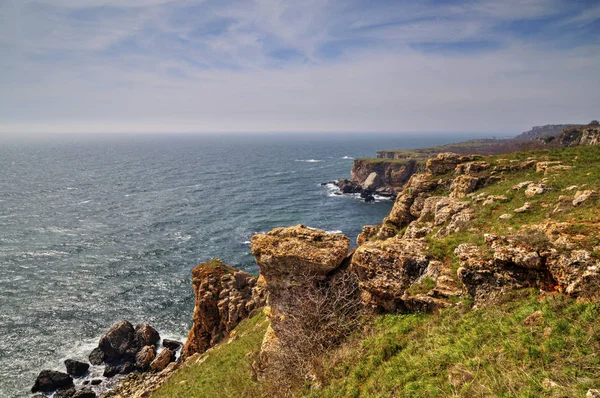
(386, 175)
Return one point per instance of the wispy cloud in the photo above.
(317, 65)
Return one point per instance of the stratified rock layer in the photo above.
(224, 297)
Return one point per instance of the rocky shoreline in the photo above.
(397, 267)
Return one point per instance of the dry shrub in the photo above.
(320, 317)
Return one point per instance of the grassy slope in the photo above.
(488, 352)
(223, 371)
(482, 353)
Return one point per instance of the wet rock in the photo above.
(127, 368)
(163, 359)
(85, 393)
(370, 199)
(144, 357)
(96, 356)
(76, 368)
(582, 196)
(172, 344)
(146, 335)
(95, 382)
(50, 380)
(65, 393)
(224, 297)
(118, 344)
(110, 371)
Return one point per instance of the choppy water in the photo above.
(96, 231)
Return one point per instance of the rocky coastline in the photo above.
(399, 265)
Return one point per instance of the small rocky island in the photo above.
(469, 237)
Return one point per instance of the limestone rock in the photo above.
(287, 251)
(543, 166)
(582, 196)
(163, 359)
(463, 185)
(224, 297)
(526, 207)
(144, 357)
(505, 216)
(372, 182)
(494, 198)
(535, 189)
(445, 162)
(471, 168)
(387, 268)
(522, 185)
(592, 393)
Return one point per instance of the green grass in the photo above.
(480, 353)
(223, 371)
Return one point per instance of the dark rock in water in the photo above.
(85, 393)
(127, 368)
(110, 371)
(95, 382)
(76, 368)
(369, 199)
(172, 344)
(68, 393)
(146, 335)
(50, 380)
(96, 356)
(39, 396)
(86, 382)
(337, 193)
(118, 344)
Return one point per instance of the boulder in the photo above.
(372, 182)
(127, 368)
(144, 357)
(76, 368)
(387, 268)
(526, 207)
(95, 382)
(163, 359)
(543, 166)
(224, 297)
(535, 189)
(172, 344)
(50, 380)
(118, 344)
(96, 356)
(522, 185)
(85, 393)
(65, 393)
(582, 196)
(110, 371)
(463, 185)
(145, 335)
(443, 163)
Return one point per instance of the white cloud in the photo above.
(60, 73)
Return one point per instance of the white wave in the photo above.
(347, 157)
(308, 160)
(334, 231)
(84, 202)
(45, 254)
(246, 242)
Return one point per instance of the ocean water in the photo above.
(97, 230)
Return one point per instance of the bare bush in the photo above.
(320, 317)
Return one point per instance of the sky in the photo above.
(494, 66)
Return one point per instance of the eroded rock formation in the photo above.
(224, 297)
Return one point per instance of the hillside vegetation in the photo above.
(526, 342)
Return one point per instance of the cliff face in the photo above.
(582, 135)
(224, 297)
(377, 174)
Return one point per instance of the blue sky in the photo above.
(271, 65)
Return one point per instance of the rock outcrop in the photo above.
(51, 380)
(224, 297)
(383, 175)
(581, 135)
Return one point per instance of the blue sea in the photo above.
(98, 229)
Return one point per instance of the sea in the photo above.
(95, 229)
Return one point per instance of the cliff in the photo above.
(497, 258)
